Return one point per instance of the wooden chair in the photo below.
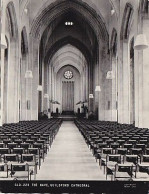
(123, 172)
(131, 159)
(3, 171)
(30, 159)
(111, 161)
(142, 172)
(11, 158)
(20, 171)
(36, 152)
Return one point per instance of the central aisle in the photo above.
(69, 157)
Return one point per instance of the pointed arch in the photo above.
(64, 41)
(126, 22)
(113, 43)
(24, 41)
(47, 14)
(12, 20)
(144, 6)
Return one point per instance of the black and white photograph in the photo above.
(74, 96)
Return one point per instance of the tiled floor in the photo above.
(69, 158)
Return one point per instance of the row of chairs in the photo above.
(127, 167)
(116, 144)
(15, 171)
(23, 147)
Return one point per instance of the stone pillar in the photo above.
(23, 88)
(114, 89)
(34, 66)
(13, 74)
(91, 100)
(101, 111)
(45, 84)
(138, 88)
(50, 88)
(1, 85)
(145, 67)
(120, 83)
(126, 83)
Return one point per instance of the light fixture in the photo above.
(97, 89)
(91, 96)
(26, 10)
(46, 96)
(39, 88)
(3, 43)
(141, 42)
(112, 11)
(28, 74)
(69, 23)
(110, 75)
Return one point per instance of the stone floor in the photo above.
(69, 158)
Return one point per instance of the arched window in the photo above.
(12, 21)
(114, 42)
(126, 22)
(24, 42)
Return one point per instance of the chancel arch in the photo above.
(75, 62)
(52, 40)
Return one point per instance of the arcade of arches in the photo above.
(59, 51)
(89, 39)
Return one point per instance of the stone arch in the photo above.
(12, 20)
(58, 8)
(144, 6)
(113, 43)
(65, 41)
(24, 41)
(126, 22)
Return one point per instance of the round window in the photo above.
(68, 74)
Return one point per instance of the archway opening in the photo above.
(68, 30)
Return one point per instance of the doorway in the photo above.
(68, 97)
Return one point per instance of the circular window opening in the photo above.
(68, 74)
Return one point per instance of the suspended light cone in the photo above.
(39, 88)
(3, 42)
(97, 89)
(141, 42)
(46, 96)
(91, 96)
(28, 74)
(110, 75)
(112, 11)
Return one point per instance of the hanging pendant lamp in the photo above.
(91, 96)
(28, 74)
(46, 96)
(141, 42)
(39, 88)
(3, 43)
(97, 89)
(110, 75)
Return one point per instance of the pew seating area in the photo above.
(122, 150)
(24, 146)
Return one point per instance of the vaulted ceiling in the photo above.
(90, 25)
